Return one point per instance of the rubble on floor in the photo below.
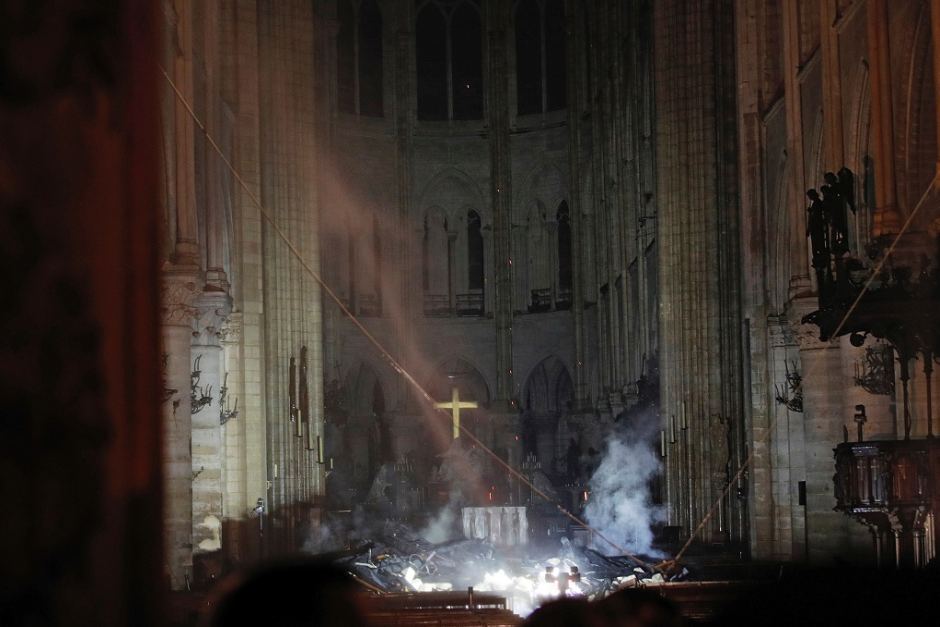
(401, 562)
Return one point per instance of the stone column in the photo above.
(409, 291)
(500, 193)
(215, 205)
(935, 31)
(887, 219)
(800, 282)
(573, 52)
(234, 496)
(213, 308)
(833, 150)
(179, 294)
(827, 532)
(186, 250)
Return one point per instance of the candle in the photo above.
(662, 443)
(319, 450)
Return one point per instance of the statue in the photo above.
(817, 229)
(837, 193)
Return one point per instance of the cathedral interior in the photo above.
(521, 299)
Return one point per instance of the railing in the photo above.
(470, 304)
(541, 300)
(436, 305)
(893, 487)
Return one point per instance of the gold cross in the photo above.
(455, 406)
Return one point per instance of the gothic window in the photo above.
(541, 83)
(346, 57)
(564, 251)
(556, 84)
(529, 57)
(467, 64)
(449, 60)
(431, 33)
(474, 251)
(359, 58)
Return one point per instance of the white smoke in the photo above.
(620, 504)
(442, 527)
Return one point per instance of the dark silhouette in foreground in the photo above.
(301, 593)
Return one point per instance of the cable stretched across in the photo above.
(386, 355)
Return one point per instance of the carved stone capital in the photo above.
(231, 331)
(213, 308)
(178, 299)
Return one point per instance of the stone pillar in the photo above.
(186, 249)
(935, 31)
(500, 193)
(887, 219)
(833, 150)
(827, 532)
(800, 282)
(216, 227)
(234, 466)
(573, 52)
(179, 294)
(409, 291)
(213, 308)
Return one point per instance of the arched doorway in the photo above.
(545, 401)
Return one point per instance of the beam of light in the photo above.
(385, 354)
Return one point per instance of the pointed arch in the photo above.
(453, 190)
(461, 372)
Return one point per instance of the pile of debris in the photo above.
(400, 561)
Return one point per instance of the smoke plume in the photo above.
(621, 506)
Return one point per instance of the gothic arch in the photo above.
(546, 182)
(463, 372)
(548, 386)
(359, 380)
(919, 131)
(546, 395)
(452, 191)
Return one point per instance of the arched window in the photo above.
(474, 251)
(556, 84)
(370, 59)
(529, 57)
(359, 58)
(346, 57)
(449, 60)
(467, 63)
(431, 52)
(541, 82)
(564, 252)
